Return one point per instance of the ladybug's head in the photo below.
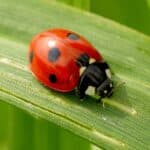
(105, 89)
(96, 75)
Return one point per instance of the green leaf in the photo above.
(135, 13)
(123, 121)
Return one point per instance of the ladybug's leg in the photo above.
(82, 86)
(98, 100)
(83, 62)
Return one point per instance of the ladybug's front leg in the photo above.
(82, 87)
(82, 61)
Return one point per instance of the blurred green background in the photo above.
(132, 13)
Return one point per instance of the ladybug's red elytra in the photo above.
(64, 60)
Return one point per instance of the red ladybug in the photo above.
(63, 60)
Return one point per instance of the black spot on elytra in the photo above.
(52, 78)
(83, 60)
(72, 36)
(53, 54)
(31, 55)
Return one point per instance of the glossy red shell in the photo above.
(65, 68)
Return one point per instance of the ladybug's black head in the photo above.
(105, 89)
(96, 75)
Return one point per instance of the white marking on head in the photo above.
(105, 91)
(51, 43)
(92, 60)
(82, 69)
(90, 90)
(108, 73)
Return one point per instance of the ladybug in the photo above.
(64, 60)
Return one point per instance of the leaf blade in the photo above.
(105, 127)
